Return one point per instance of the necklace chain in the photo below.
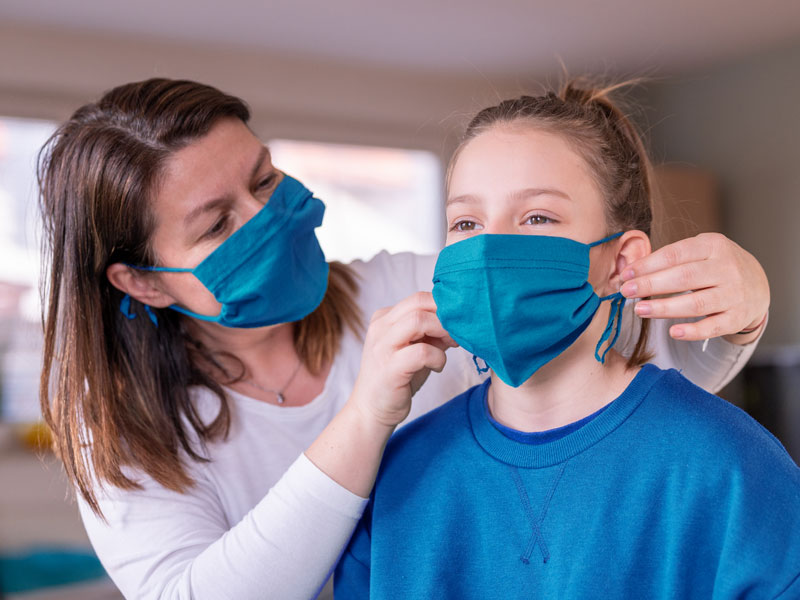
(278, 393)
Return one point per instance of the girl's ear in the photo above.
(632, 246)
(138, 285)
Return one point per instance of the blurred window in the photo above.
(20, 320)
(376, 198)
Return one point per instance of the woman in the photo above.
(572, 472)
(226, 448)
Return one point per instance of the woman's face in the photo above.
(208, 190)
(521, 180)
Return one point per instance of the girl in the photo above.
(201, 356)
(573, 472)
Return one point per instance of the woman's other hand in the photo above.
(716, 279)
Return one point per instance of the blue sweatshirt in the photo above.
(669, 492)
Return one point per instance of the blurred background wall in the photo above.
(382, 92)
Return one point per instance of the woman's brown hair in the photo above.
(607, 140)
(115, 391)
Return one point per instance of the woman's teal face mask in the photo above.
(270, 270)
(518, 301)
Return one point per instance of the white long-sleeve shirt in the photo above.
(262, 521)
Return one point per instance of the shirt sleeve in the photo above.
(709, 365)
(158, 543)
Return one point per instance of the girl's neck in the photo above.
(568, 388)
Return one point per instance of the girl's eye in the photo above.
(464, 226)
(538, 220)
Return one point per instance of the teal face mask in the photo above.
(270, 270)
(518, 301)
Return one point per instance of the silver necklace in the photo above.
(278, 393)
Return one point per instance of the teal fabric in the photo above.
(271, 270)
(518, 301)
(668, 493)
(47, 567)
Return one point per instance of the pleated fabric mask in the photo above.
(518, 301)
(270, 270)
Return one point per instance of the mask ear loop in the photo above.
(615, 315)
(606, 239)
(483, 370)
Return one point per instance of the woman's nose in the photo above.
(249, 206)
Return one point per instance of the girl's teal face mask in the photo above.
(518, 301)
(270, 270)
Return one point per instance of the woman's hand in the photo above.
(403, 345)
(726, 284)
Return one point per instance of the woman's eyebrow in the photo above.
(215, 203)
(206, 207)
(262, 155)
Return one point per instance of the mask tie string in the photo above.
(617, 302)
(615, 315)
(125, 309)
(483, 369)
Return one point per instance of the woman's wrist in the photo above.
(350, 448)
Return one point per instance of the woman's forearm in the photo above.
(163, 544)
(350, 448)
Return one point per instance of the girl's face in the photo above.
(521, 180)
(208, 190)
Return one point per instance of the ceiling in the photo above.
(470, 37)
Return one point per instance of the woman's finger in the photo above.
(710, 327)
(693, 249)
(420, 301)
(445, 343)
(416, 357)
(695, 304)
(379, 314)
(415, 326)
(688, 276)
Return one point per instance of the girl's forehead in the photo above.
(517, 157)
(508, 141)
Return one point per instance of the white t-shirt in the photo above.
(262, 521)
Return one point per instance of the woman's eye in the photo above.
(218, 227)
(538, 220)
(266, 182)
(464, 226)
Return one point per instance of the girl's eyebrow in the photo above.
(466, 198)
(518, 195)
(529, 192)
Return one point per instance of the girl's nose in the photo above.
(503, 226)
